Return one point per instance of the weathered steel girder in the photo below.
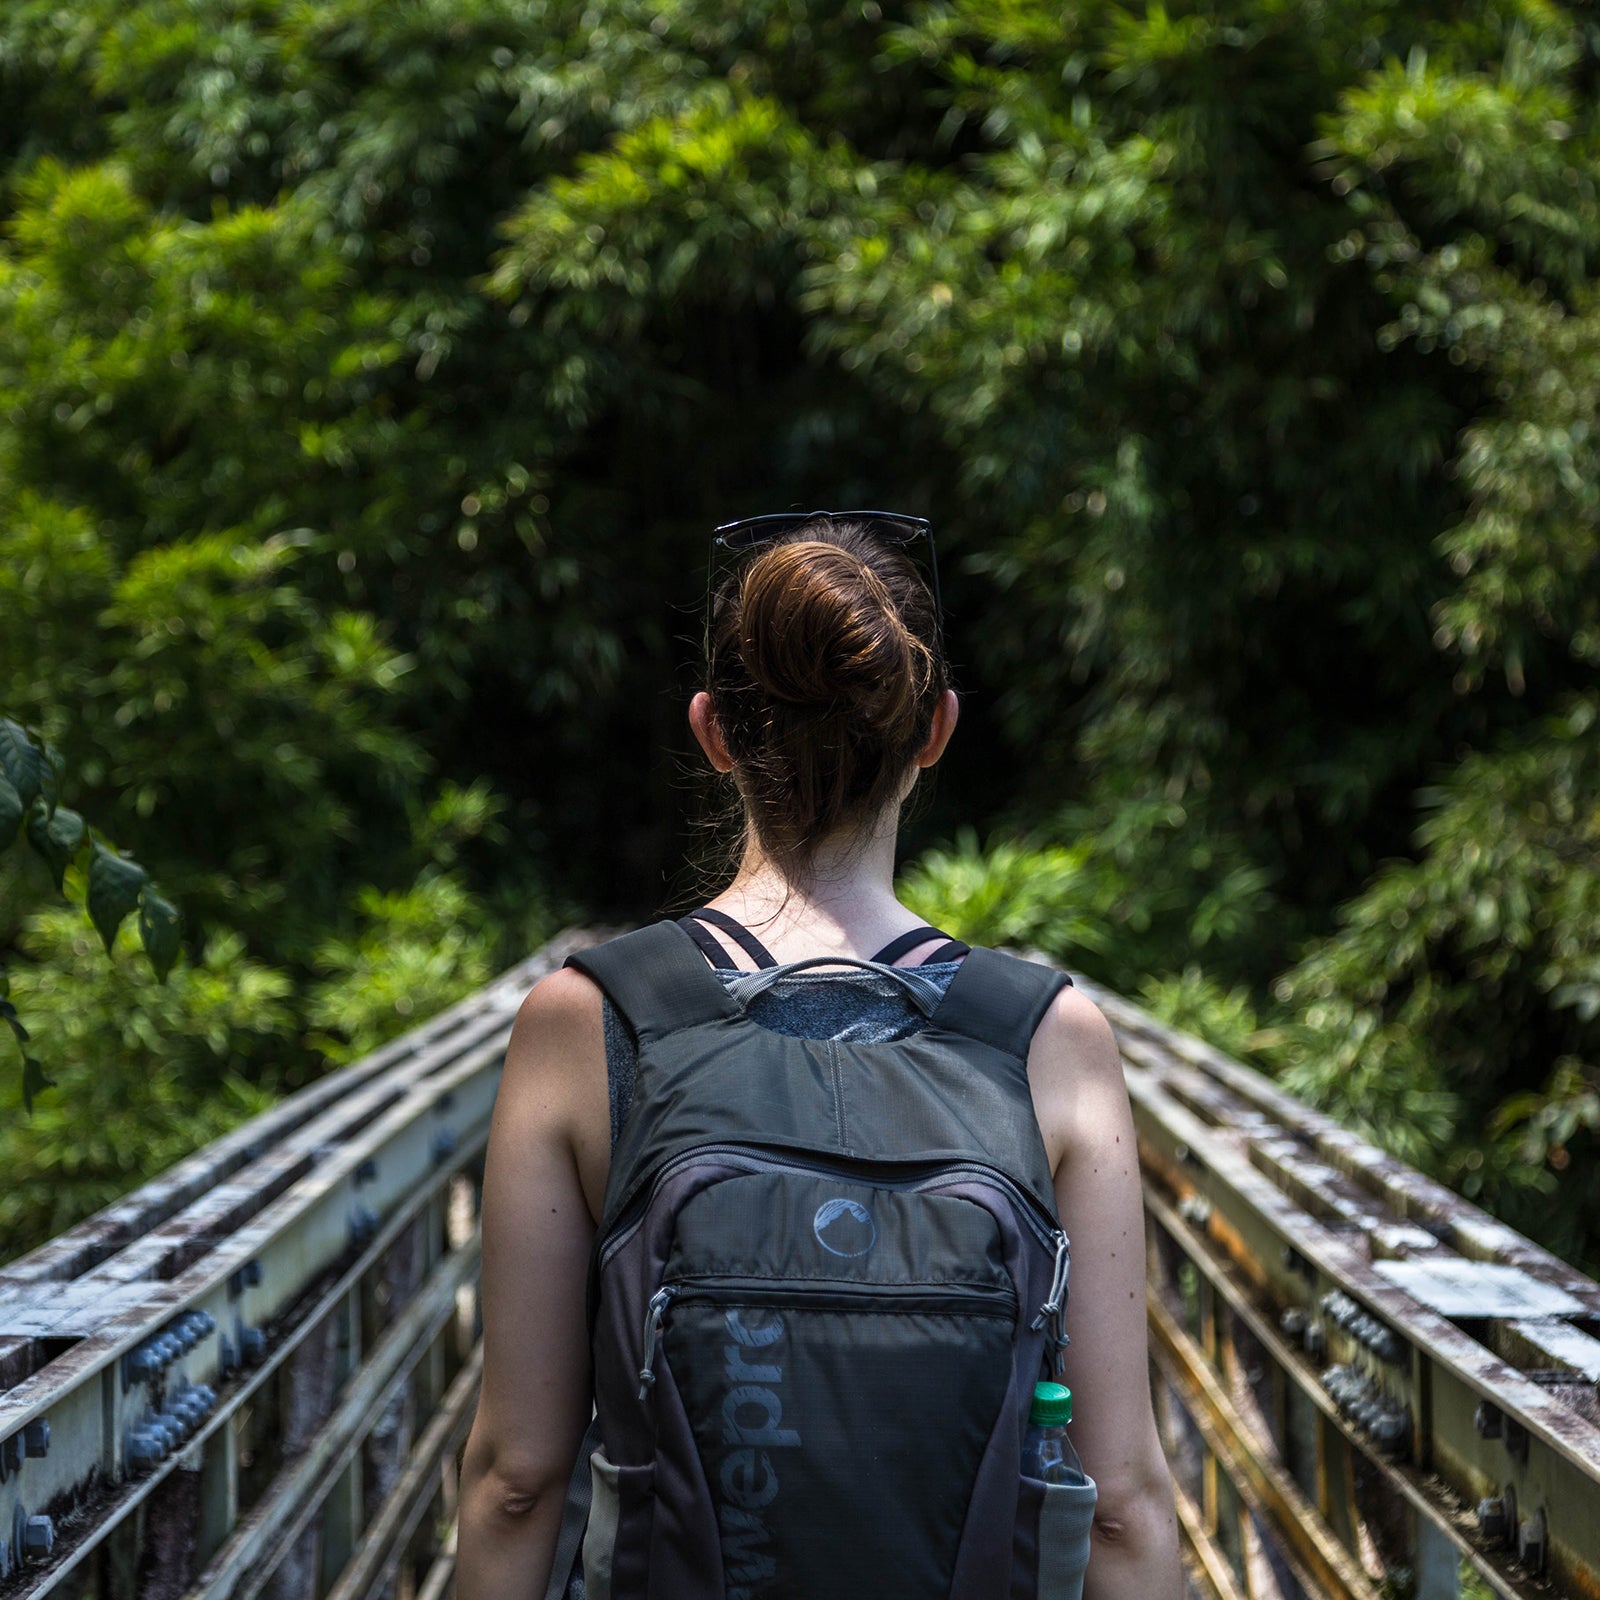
(1325, 1317)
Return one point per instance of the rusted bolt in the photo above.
(1316, 1340)
(227, 1357)
(1195, 1209)
(190, 1409)
(1531, 1542)
(366, 1169)
(1293, 1322)
(144, 1449)
(252, 1344)
(1516, 1437)
(10, 1456)
(1488, 1420)
(1392, 1430)
(252, 1272)
(36, 1437)
(444, 1143)
(363, 1222)
(38, 1537)
(1389, 1346)
(1492, 1520)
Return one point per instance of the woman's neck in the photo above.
(847, 905)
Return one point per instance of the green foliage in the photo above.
(1007, 895)
(31, 774)
(144, 1071)
(414, 954)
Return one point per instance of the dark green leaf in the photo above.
(11, 809)
(33, 1080)
(56, 837)
(158, 927)
(20, 760)
(114, 886)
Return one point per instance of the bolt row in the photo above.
(146, 1360)
(1365, 1329)
(1359, 1401)
(159, 1433)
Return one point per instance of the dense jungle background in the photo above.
(372, 373)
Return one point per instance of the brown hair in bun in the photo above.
(824, 674)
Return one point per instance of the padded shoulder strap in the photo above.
(999, 999)
(656, 978)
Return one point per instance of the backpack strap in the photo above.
(657, 979)
(999, 999)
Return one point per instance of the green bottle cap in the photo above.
(1052, 1405)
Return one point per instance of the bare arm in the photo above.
(541, 1180)
(1082, 1101)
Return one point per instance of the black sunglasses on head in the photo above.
(893, 527)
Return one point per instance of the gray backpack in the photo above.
(826, 1280)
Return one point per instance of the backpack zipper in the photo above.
(1053, 1309)
(970, 1300)
(653, 1314)
(739, 1156)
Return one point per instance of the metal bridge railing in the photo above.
(254, 1375)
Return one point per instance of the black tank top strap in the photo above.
(903, 942)
(711, 947)
(737, 931)
(694, 924)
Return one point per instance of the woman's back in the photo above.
(827, 694)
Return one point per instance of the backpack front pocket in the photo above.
(841, 1354)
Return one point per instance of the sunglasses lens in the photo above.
(761, 530)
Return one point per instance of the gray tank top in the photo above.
(844, 1004)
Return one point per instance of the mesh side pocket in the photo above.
(616, 1541)
(1062, 1515)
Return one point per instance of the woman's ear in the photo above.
(944, 724)
(704, 722)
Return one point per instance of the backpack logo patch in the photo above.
(844, 1227)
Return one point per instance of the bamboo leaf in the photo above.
(20, 760)
(11, 810)
(33, 1080)
(159, 924)
(114, 885)
(56, 837)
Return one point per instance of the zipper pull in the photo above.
(652, 1335)
(1051, 1309)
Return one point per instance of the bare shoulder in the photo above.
(1075, 1073)
(554, 1083)
(561, 1010)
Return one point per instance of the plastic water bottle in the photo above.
(1047, 1452)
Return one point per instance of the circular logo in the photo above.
(844, 1227)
